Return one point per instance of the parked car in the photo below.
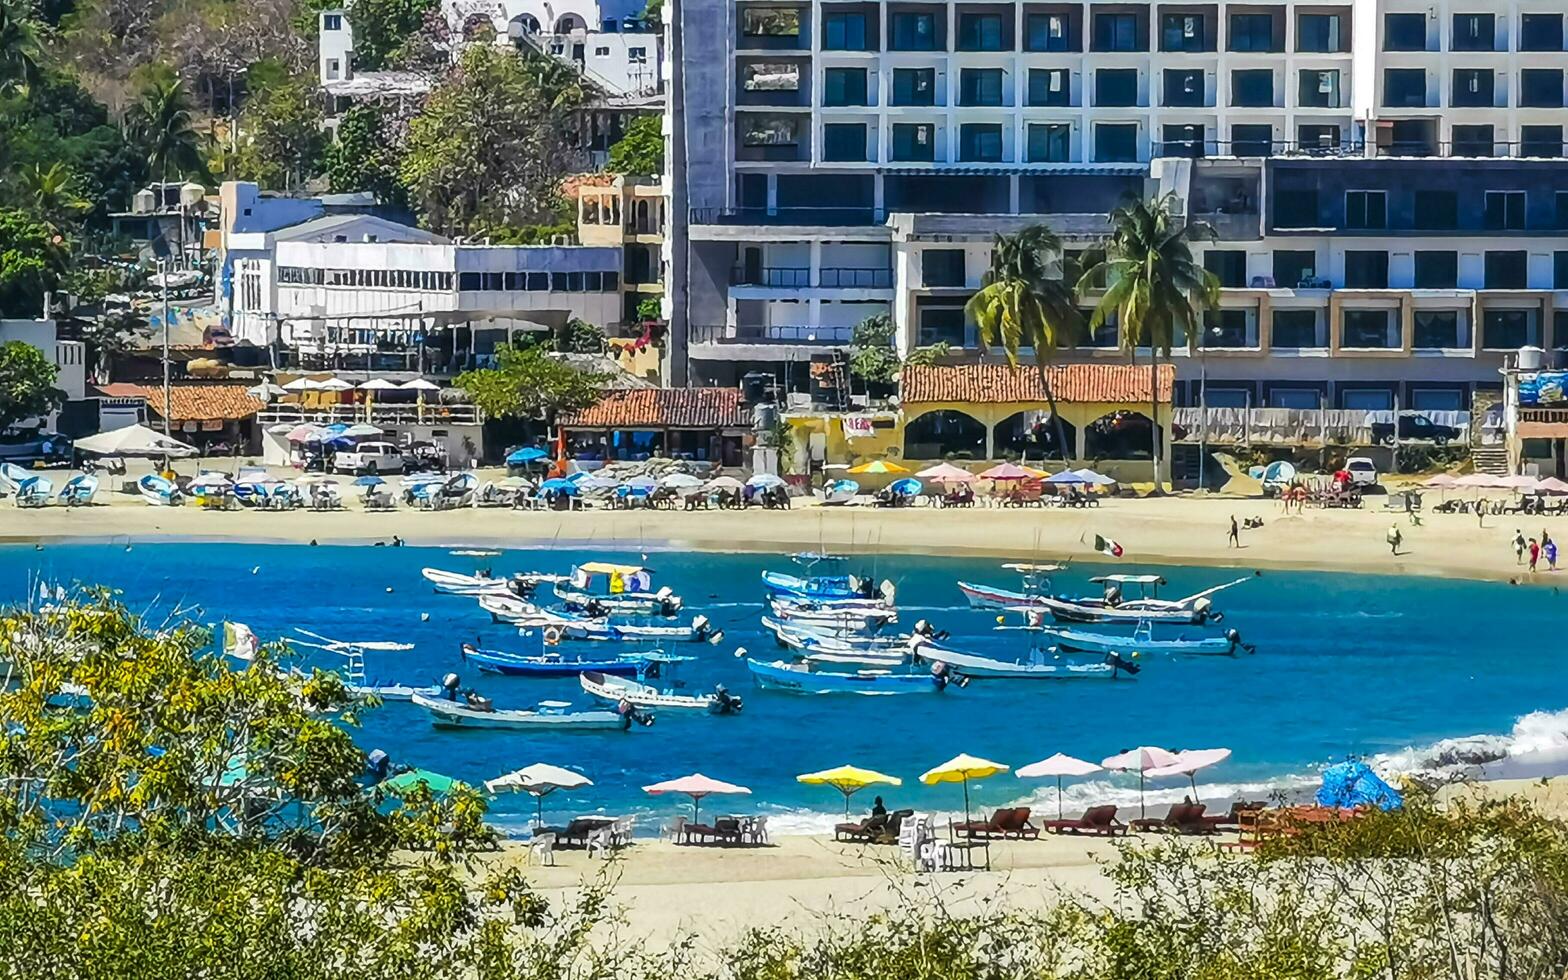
(1414, 427)
(1363, 472)
(370, 457)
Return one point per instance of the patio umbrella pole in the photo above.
(1058, 797)
(1141, 811)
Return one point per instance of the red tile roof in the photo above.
(995, 383)
(681, 408)
(191, 403)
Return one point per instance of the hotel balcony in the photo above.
(776, 334)
(384, 416)
(799, 277)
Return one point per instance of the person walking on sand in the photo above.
(1394, 538)
(1535, 554)
(1233, 540)
(1550, 550)
(1519, 546)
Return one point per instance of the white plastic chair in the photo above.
(601, 842)
(758, 830)
(542, 847)
(674, 830)
(913, 832)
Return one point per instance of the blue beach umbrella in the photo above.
(907, 487)
(562, 486)
(369, 481)
(526, 455)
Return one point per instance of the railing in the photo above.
(428, 414)
(872, 278)
(1313, 426)
(780, 277)
(836, 217)
(776, 334)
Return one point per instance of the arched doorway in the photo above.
(1032, 435)
(567, 23)
(944, 434)
(1119, 435)
(521, 26)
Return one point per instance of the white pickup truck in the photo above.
(370, 457)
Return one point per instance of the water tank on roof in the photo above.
(191, 195)
(1530, 358)
(144, 202)
(754, 386)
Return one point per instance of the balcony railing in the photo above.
(777, 277)
(1306, 426)
(836, 217)
(383, 415)
(871, 278)
(776, 334)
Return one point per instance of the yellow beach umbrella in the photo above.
(961, 769)
(878, 466)
(848, 780)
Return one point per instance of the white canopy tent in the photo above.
(134, 440)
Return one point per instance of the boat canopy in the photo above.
(609, 568)
(1029, 569)
(1131, 579)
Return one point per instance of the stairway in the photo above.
(1492, 460)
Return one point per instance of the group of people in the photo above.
(1535, 549)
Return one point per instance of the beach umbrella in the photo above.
(961, 769)
(1060, 766)
(848, 780)
(438, 784)
(334, 384)
(302, 384)
(419, 384)
(575, 477)
(1552, 485)
(696, 786)
(369, 481)
(527, 454)
(908, 487)
(878, 466)
(595, 483)
(680, 481)
(304, 432)
(265, 390)
(947, 473)
(378, 384)
(724, 483)
(641, 483)
(563, 486)
(359, 431)
(766, 481)
(1142, 759)
(133, 440)
(211, 481)
(1096, 479)
(1188, 764)
(1441, 481)
(538, 780)
(1007, 471)
(1519, 481)
(1066, 476)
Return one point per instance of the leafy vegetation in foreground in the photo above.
(165, 815)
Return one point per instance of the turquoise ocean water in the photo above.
(1412, 673)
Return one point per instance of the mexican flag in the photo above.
(1106, 546)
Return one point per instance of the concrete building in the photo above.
(78, 415)
(628, 213)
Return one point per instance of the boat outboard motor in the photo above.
(1204, 607)
(940, 676)
(449, 685)
(629, 713)
(725, 703)
(669, 602)
(521, 586)
(378, 764)
(595, 608)
(1113, 595)
(1125, 666)
(924, 630)
(1234, 636)
(703, 631)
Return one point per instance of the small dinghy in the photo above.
(666, 694)
(472, 711)
(701, 630)
(806, 678)
(521, 584)
(1042, 665)
(1143, 641)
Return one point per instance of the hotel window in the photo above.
(538, 282)
(980, 87)
(1253, 87)
(1472, 141)
(914, 142)
(1508, 330)
(1252, 32)
(1541, 141)
(1437, 270)
(1365, 210)
(1296, 329)
(601, 52)
(1541, 88)
(1368, 330)
(1116, 87)
(980, 143)
(914, 86)
(981, 32)
(770, 27)
(1404, 32)
(913, 31)
(1472, 87)
(1317, 137)
(1561, 212)
(1252, 140)
(1436, 330)
(1228, 265)
(1182, 140)
(1050, 86)
(1506, 270)
(1436, 210)
(1182, 32)
(1310, 399)
(1560, 270)
(1318, 89)
(844, 142)
(844, 86)
(770, 77)
(1116, 32)
(1047, 32)
(1050, 143)
(1504, 211)
(332, 22)
(1473, 32)
(1184, 87)
(844, 31)
(1227, 329)
(1366, 269)
(1541, 32)
(1297, 208)
(1116, 143)
(637, 56)
(1366, 399)
(514, 282)
(942, 267)
(1319, 34)
(1404, 88)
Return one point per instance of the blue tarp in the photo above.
(1353, 784)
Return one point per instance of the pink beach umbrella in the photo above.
(1188, 764)
(1552, 485)
(1441, 481)
(696, 786)
(1058, 765)
(947, 473)
(1141, 760)
(1008, 471)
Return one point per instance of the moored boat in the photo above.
(639, 692)
(1041, 666)
(521, 584)
(701, 630)
(1143, 641)
(598, 587)
(803, 678)
(474, 712)
(548, 664)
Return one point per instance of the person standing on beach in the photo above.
(1394, 538)
(1519, 545)
(1535, 554)
(1233, 540)
(1550, 550)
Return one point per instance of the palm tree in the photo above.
(19, 48)
(53, 194)
(1154, 287)
(161, 122)
(1020, 305)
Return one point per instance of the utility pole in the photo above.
(166, 400)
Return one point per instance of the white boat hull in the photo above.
(455, 714)
(973, 665)
(614, 690)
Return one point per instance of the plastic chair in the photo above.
(674, 831)
(542, 847)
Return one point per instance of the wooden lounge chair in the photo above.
(861, 830)
(1231, 820)
(984, 829)
(1097, 820)
(1182, 818)
(1018, 827)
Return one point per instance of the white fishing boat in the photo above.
(865, 619)
(808, 637)
(1112, 606)
(475, 712)
(701, 630)
(519, 612)
(1042, 665)
(1142, 640)
(522, 584)
(1036, 582)
(355, 678)
(598, 587)
(639, 691)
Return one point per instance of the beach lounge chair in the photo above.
(727, 830)
(1181, 818)
(1097, 820)
(984, 829)
(1018, 827)
(674, 831)
(896, 822)
(697, 833)
(754, 830)
(864, 831)
(1231, 820)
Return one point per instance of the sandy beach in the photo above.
(1183, 529)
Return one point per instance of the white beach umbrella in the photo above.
(265, 390)
(538, 780)
(1141, 759)
(724, 483)
(360, 430)
(211, 481)
(1060, 766)
(133, 440)
(680, 481)
(1189, 762)
(334, 384)
(419, 384)
(303, 384)
(379, 384)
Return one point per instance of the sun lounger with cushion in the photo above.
(861, 830)
(1182, 818)
(1099, 820)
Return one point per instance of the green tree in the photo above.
(1021, 305)
(27, 377)
(365, 157)
(19, 49)
(1154, 287)
(382, 26)
(163, 127)
(281, 135)
(640, 150)
(528, 383)
(493, 142)
(32, 258)
(873, 357)
(53, 197)
(54, 121)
